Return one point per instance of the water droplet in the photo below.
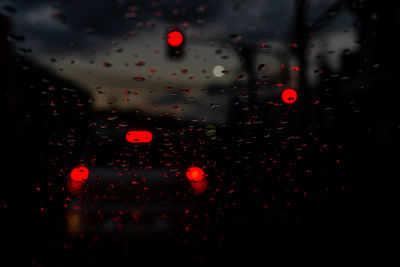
(106, 64)
(214, 105)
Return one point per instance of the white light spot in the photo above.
(218, 71)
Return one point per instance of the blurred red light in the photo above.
(79, 174)
(195, 174)
(139, 137)
(175, 38)
(199, 187)
(74, 187)
(289, 96)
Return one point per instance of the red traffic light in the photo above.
(289, 96)
(175, 38)
(175, 41)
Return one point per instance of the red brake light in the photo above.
(139, 137)
(79, 174)
(195, 174)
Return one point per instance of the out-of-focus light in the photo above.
(74, 187)
(289, 96)
(175, 38)
(195, 174)
(210, 130)
(74, 221)
(218, 71)
(79, 174)
(199, 187)
(74, 224)
(139, 137)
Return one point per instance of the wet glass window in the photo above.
(177, 131)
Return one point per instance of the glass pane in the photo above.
(195, 131)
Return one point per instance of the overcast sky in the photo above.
(78, 36)
(55, 24)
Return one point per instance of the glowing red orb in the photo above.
(79, 174)
(289, 96)
(175, 38)
(195, 174)
(199, 187)
(139, 137)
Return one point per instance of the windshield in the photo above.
(194, 131)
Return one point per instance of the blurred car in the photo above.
(137, 181)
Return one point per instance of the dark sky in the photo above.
(56, 24)
(85, 32)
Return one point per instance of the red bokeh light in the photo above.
(79, 174)
(195, 174)
(74, 187)
(199, 187)
(175, 38)
(289, 96)
(139, 137)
